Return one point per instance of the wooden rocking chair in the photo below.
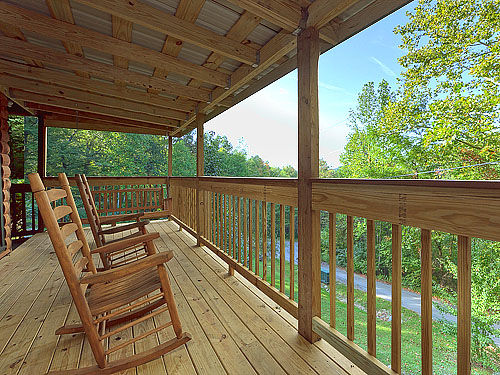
(123, 296)
(110, 260)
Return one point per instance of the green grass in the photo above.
(444, 343)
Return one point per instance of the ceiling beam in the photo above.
(283, 13)
(18, 48)
(61, 10)
(49, 110)
(5, 90)
(238, 32)
(90, 124)
(93, 108)
(121, 29)
(151, 18)
(287, 14)
(15, 32)
(87, 97)
(320, 12)
(94, 86)
(67, 32)
(187, 10)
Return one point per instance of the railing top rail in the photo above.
(476, 184)
(112, 180)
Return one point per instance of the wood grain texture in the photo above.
(371, 291)
(350, 278)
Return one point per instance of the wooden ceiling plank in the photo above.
(5, 90)
(121, 29)
(93, 108)
(61, 10)
(187, 10)
(87, 97)
(94, 86)
(238, 32)
(150, 17)
(17, 48)
(50, 110)
(67, 32)
(15, 32)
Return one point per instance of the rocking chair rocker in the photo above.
(122, 297)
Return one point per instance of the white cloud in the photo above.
(384, 67)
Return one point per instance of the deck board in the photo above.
(236, 329)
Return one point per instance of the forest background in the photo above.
(441, 121)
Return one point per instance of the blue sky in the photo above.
(266, 123)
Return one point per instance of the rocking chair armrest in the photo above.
(122, 228)
(123, 244)
(129, 269)
(113, 219)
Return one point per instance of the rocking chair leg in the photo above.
(128, 362)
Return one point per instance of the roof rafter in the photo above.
(121, 29)
(187, 10)
(61, 10)
(66, 32)
(32, 97)
(94, 86)
(50, 110)
(150, 17)
(70, 122)
(87, 97)
(17, 48)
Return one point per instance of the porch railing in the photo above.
(231, 215)
(24, 211)
(251, 224)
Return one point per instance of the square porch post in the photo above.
(308, 159)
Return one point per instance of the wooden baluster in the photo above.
(245, 242)
(282, 248)
(257, 238)
(233, 211)
(464, 305)
(224, 222)
(426, 301)
(292, 252)
(371, 292)
(250, 231)
(220, 221)
(273, 244)
(230, 249)
(350, 279)
(264, 240)
(332, 264)
(239, 230)
(396, 299)
(212, 216)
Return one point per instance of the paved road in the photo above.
(410, 300)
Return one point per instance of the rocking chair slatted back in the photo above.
(90, 209)
(58, 235)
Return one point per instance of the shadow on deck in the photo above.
(236, 329)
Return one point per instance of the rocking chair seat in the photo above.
(104, 297)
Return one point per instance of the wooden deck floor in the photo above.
(236, 329)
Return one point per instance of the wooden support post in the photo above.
(170, 164)
(309, 223)
(200, 171)
(5, 150)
